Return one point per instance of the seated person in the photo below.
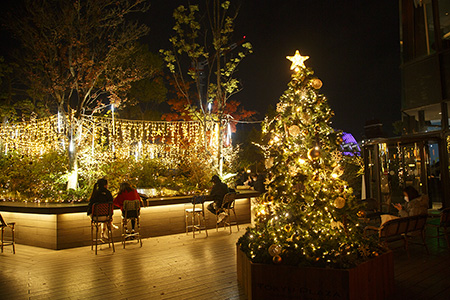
(126, 192)
(259, 184)
(251, 179)
(100, 194)
(416, 204)
(241, 178)
(218, 191)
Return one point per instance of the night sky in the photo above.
(353, 48)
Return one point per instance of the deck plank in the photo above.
(178, 267)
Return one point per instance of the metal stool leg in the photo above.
(235, 219)
(2, 238)
(96, 237)
(110, 235)
(186, 221)
(92, 235)
(13, 239)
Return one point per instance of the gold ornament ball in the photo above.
(316, 83)
(314, 153)
(294, 130)
(339, 202)
(339, 140)
(274, 250)
(277, 259)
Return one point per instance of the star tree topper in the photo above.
(298, 61)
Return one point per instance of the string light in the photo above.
(162, 139)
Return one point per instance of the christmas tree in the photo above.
(308, 216)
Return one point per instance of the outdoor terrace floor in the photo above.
(178, 267)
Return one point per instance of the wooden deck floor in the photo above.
(177, 267)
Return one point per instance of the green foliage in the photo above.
(145, 173)
(25, 177)
(251, 156)
(353, 170)
(44, 178)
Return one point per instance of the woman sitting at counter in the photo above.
(100, 194)
(126, 192)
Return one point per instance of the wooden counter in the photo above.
(62, 226)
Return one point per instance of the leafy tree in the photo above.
(205, 53)
(6, 109)
(146, 94)
(83, 53)
(250, 155)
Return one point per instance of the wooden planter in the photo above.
(373, 279)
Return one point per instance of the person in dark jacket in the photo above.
(259, 184)
(218, 191)
(100, 194)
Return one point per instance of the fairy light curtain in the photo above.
(125, 138)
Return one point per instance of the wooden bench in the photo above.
(401, 229)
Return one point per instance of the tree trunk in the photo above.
(219, 148)
(72, 182)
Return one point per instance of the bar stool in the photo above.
(197, 211)
(102, 213)
(228, 203)
(131, 212)
(10, 241)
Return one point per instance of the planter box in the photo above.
(373, 279)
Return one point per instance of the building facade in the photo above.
(420, 156)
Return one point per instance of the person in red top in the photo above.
(126, 192)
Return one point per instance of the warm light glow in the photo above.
(166, 140)
(298, 61)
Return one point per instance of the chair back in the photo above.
(393, 227)
(445, 217)
(199, 199)
(131, 208)
(417, 223)
(102, 212)
(228, 200)
(403, 225)
(2, 222)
